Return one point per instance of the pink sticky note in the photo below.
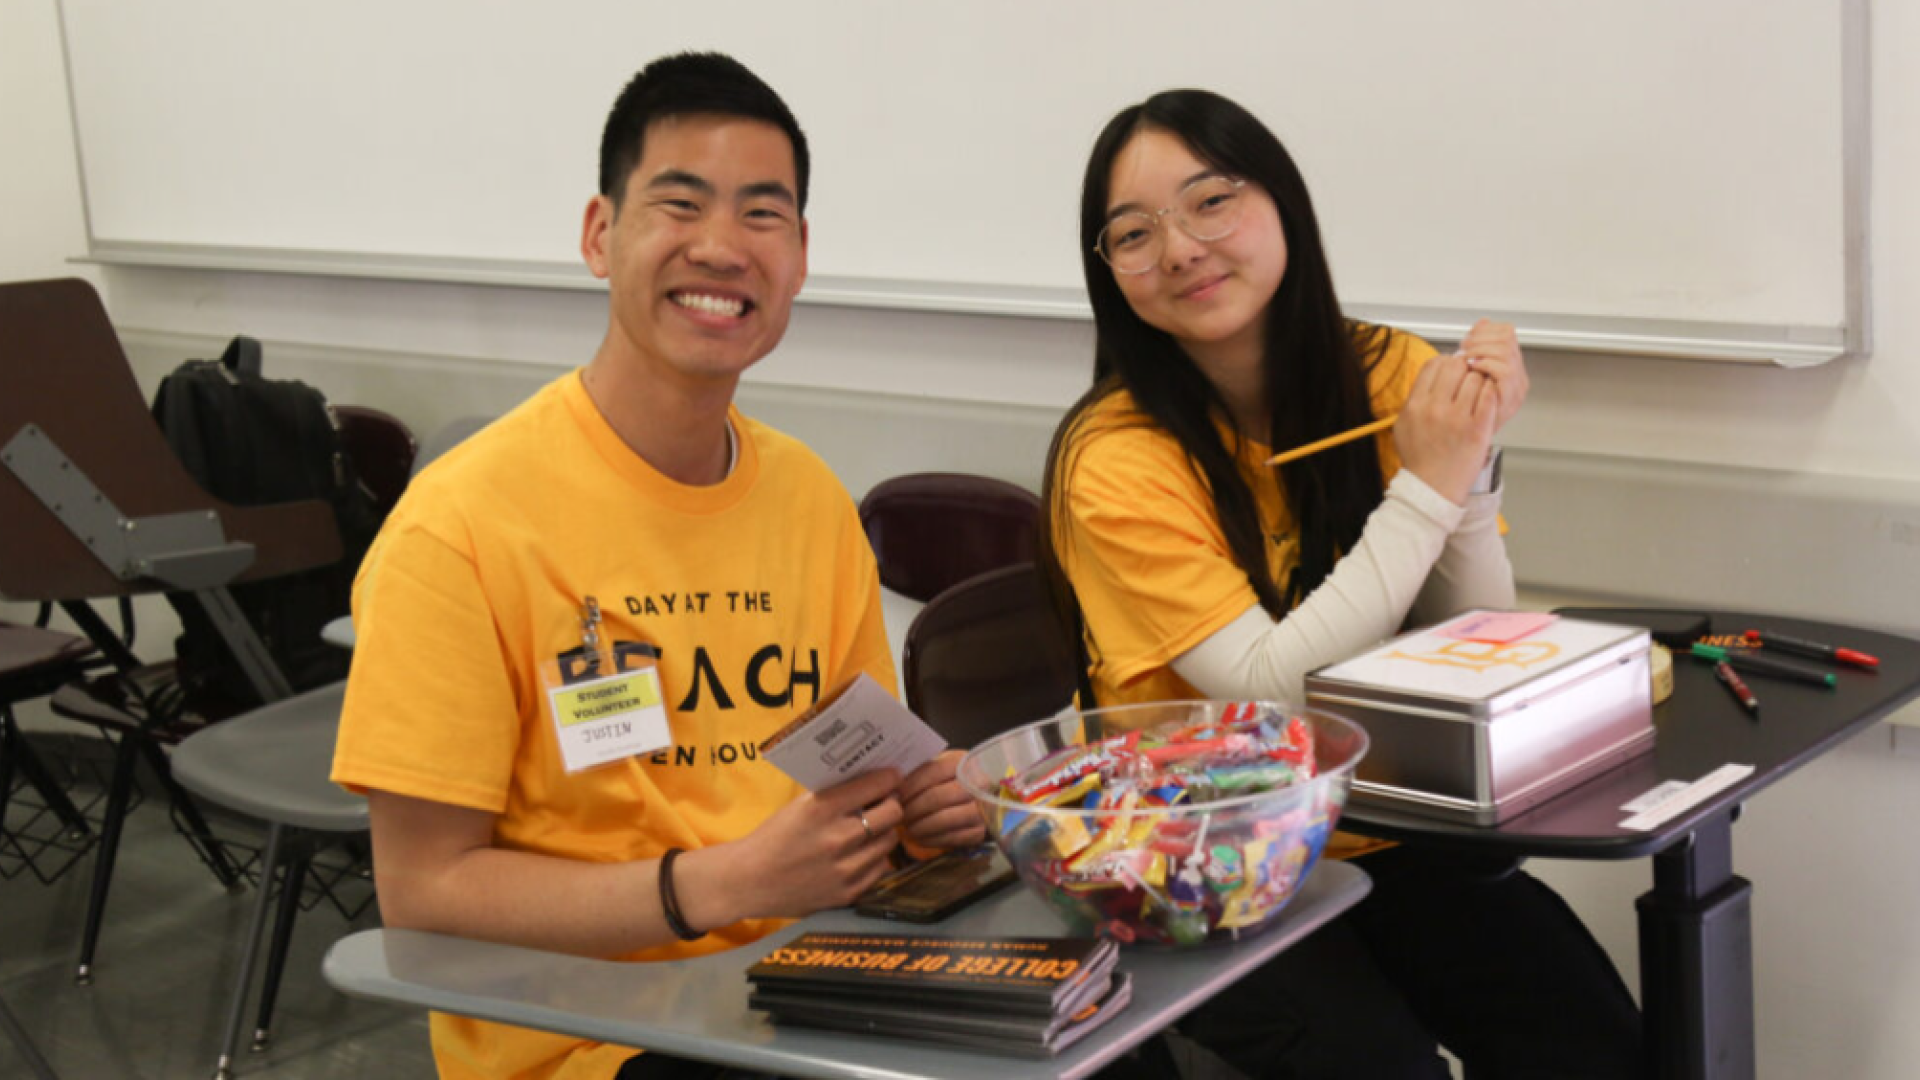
(1497, 627)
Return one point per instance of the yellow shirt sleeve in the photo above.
(1148, 561)
(426, 644)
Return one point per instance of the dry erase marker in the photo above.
(1803, 647)
(1725, 673)
(1755, 664)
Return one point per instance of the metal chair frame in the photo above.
(95, 515)
(38, 661)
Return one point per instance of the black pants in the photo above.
(658, 1066)
(1479, 957)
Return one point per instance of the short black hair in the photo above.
(690, 84)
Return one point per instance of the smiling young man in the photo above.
(578, 626)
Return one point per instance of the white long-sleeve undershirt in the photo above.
(1420, 556)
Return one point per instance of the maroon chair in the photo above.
(382, 449)
(987, 655)
(931, 531)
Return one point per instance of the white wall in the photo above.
(39, 185)
(920, 129)
(1837, 943)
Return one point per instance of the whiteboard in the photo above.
(1634, 160)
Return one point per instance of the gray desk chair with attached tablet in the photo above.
(97, 506)
(272, 764)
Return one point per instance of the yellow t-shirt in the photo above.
(1144, 550)
(759, 593)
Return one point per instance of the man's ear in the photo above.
(802, 283)
(595, 231)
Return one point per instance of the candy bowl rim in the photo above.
(1341, 774)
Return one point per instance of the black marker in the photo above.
(1756, 664)
(1812, 648)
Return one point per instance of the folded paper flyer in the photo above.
(854, 730)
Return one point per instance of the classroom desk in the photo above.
(698, 1008)
(1696, 940)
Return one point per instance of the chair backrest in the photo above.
(450, 435)
(62, 370)
(382, 449)
(987, 655)
(931, 531)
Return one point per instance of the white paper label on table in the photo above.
(1678, 802)
(1653, 796)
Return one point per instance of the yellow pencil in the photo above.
(1341, 439)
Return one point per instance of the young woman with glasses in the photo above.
(1201, 572)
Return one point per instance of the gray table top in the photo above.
(698, 1008)
(273, 762)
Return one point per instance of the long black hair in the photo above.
(1316, 363)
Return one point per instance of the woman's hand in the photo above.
(1445, 430)
(1492, 350)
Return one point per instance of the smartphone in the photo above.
(932, 890)
(1674, 629)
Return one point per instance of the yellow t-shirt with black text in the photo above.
(1143, 548)
(759, 594)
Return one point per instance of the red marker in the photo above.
(1814, 649)
(1725, 673)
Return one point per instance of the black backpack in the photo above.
(249, 440)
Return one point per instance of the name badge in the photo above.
(603, 719)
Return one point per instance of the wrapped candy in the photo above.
(1104, 832)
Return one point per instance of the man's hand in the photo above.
(439, 870)
(939, 812)
(819, 851)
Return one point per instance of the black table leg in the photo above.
(1696, 959)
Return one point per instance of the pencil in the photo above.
(1341, 439)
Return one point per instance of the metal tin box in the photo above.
(1478, 731)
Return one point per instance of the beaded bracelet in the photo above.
(670, 903)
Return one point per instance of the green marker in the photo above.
(1742, 660)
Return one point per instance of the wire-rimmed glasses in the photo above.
(1207, 209)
